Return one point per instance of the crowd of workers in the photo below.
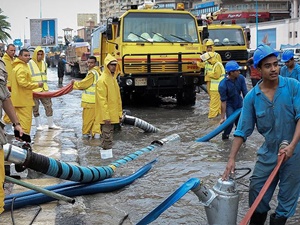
(23, 75)
(272, 105)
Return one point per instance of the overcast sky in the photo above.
(64, 10)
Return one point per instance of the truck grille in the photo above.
(149, 64)
(233, 55)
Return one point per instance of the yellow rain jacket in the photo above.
(108, 98)
(8, 65)
(21, 85)
(88, 84)
(38, 70)
(216, 75)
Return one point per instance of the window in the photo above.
(160, 27)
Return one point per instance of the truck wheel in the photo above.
(186, 97)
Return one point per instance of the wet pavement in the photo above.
(177, 163)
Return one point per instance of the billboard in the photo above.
(43, 32)
(267, 36)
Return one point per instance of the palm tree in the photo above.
(4, 25)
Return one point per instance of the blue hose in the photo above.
(179, 193)
(55, 187)
(79, 189)
(230, 120)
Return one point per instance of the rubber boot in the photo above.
(277, 221)
(51, 124)
(38, 123)
(60, 82)
(258, 218)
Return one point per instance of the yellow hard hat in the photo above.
(209, 42)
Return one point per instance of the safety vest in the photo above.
(38, 76)
(214, 84)
(208, 68)
(88, 95)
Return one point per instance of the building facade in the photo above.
(244, 11)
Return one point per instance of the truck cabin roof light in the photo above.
(180, 6)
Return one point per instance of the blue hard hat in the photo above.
(262, 52)
(287, 55)
(232, 66)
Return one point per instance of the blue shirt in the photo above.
(275, 120)
(231, 90)
(295, 73)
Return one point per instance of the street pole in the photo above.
(256, 21)
(40, 9)
(24, 31)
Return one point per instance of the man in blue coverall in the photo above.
(230, 89)
(291, 68)
(273, 105)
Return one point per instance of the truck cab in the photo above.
(230, 42)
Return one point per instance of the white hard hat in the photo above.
(225, 40)
(62, 54)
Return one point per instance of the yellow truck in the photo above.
(155, 49)
(231, 42)
(77, 53)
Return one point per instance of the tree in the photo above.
(4, 26)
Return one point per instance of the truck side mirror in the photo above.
(205, 33)
(109, 32)
(248, 36)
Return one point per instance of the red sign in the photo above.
(227, 16)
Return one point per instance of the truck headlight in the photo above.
(129, 82)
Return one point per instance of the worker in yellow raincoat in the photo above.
(214, 73)
(8, 59)
(22, 90)
(88, 84)
(108, 101)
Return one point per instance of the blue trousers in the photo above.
(288, 180)
(229, 111)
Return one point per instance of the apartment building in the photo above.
(244, 11)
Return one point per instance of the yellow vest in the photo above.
(208, 67)
(88, 95)
(38, 76)
(214, 84)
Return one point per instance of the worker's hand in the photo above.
(107, 121)
(288, 151)
(41, 84)
(229, 169)
(222, 120)
(20, 129)
(194, 62)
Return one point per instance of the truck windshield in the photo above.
(159, 27)
(228, 37)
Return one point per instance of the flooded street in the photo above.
(177, 163)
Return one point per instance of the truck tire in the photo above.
(187, 97)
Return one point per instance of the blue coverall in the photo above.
(230, 91)
(275, 121)
(295, 73)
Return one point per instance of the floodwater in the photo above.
(177, 163)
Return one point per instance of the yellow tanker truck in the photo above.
(231, 42)
(155, 49)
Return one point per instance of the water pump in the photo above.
(221, 203)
